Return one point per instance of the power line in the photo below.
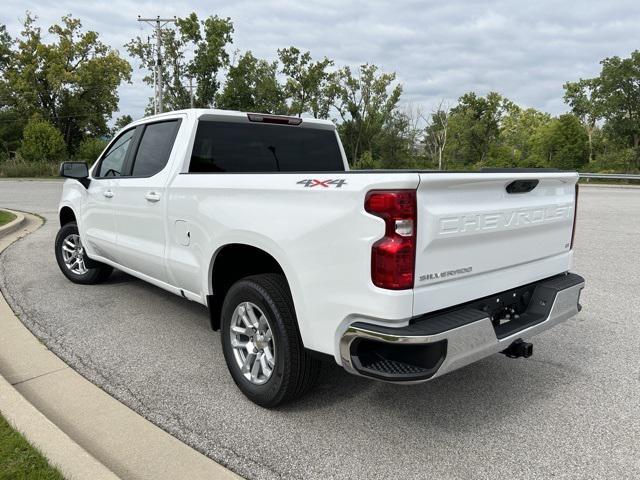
(158, 23)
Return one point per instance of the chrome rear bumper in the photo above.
(447, 341)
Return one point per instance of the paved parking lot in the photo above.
(570, 411)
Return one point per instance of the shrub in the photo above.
(15, 169)
(366, 162)
(42, 142)
(90, 149)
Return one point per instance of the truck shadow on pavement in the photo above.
(479, 394)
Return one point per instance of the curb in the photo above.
(13, 225)
(73, 461)
(78, 427)
(62, 452)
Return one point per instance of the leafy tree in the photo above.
(367, 162)
(307, 83)
(251, 86)
(394, 146)
(42, 142)
(365, 102)
(71, 80)
(6, 53)
(11, 122)
(519, 130)
(584, 99)
(90, 149)
(210, 38)
(207, 39)
(120, 123)
(564, 143)
(11, 127)
(474, 127)
(619, 96)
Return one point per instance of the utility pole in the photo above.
(191, 91)
(158, 23)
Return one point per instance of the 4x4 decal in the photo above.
(310, 183)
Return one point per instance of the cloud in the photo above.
(439, 50)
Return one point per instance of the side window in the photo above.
(155, 148)
(112, 162)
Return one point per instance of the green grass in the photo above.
(6, 217)
(19, 460)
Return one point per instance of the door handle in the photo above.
(108, 193)
(152, 196)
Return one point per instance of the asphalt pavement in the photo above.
(570, 411)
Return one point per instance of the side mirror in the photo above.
(76, 170)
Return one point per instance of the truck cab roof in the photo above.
(238, 116)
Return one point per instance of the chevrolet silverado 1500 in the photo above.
(400, 276)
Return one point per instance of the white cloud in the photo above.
(524, 50)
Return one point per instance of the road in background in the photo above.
(570, 411)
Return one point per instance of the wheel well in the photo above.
(233, 262)
(66, 216)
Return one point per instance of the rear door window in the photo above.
(256, 147)
(154, 148)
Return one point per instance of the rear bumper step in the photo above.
(437, 343)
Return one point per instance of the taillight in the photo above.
(393, 256)
(575, 216)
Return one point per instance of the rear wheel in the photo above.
(262, 344)
(72, 259)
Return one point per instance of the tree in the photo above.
(90, 149)
(42, 142)
(207, 39)
(11, 122)
(210, 38)
(436, 130)
(72, 80)
(365, 102)
(519, 129)
(251, 86)
(6, 44)
(120, 123)
(564, 143)
(474, 127)
(619, 96)
(583, 98)
(306, 85)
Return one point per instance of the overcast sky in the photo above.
(525, 50)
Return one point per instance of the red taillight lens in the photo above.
(393, 256)
(575, 216)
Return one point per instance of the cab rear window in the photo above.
(251, 147)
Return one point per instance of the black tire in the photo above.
(295, 370)
(96, 272)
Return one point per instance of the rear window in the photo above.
(254, 147)
(155, 148)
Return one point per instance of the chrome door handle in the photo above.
(108, 193)
(152, 196)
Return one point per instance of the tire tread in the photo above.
(305, 369)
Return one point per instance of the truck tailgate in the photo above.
(474, 238)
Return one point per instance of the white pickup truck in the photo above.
(400, 276)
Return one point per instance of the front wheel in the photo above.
(262, 344)
(72, 259)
